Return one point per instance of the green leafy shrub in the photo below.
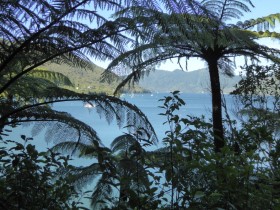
(244, 175)
(34, 180)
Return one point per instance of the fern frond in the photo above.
(55, 77)
(84, 176)
(228, 9)
(79, 149)
(102, 195)
(122, 143)
(59, 126)
(107, 106)
(262, 23)
(40, 32)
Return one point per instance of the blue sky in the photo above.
(262, 8)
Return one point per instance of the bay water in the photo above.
(196, 105)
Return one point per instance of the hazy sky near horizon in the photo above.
(262, 8)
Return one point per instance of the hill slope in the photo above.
(86, 80)
(187, 82)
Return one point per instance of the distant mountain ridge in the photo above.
(188, 82)
(157, 81)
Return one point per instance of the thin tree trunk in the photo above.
(123, 195)
(216, 105)
(4, 113)
(2, 125)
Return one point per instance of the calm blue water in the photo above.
(196, 105)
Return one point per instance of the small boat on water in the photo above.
(89, 105)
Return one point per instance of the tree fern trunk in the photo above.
(216, 105)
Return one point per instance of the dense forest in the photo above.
(203, 164)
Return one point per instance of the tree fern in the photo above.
(36, 32)
(201, 32)
(125, 173)
(32, 39)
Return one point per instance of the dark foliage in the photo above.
(35, 180)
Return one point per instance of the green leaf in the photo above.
(199, 194)
(168, 175)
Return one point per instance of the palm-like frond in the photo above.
(125, 170)
(84, 176)
(52, 76)
(122, 143)
(103, 192)
(227, 9)
(60, 126)
(107, 106)
(38, 32)
(78, 149)
(23, 89)
(262, 23)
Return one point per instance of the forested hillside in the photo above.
(88, 80)
(187, 82)
(157, 81)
